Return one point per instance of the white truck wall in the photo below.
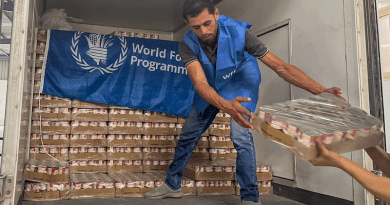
(324, 47)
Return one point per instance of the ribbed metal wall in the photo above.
(4, 67)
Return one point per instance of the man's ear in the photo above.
(216, 13)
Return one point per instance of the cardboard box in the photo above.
(46, 178)
(203, 144)
(126, 130)
(159, 143)
(124, 156)
(52, 116)
(82, 104)
(88, 142)
(65, 103)
(61, 157)
(221, 144)
(88, 169)
(309, 153)
(228, 156)
(49, 143)
(160, 131)
(126, 117)
(125, 168)
(266, 191)
(189, 191)
(208, 176)
(92, 193)
(225, 120)
(160, 118)
(88, 156)
(51, 129)
(261, 176)
(124, 143)
(158, 155)
(181, 119)
(132, 192)
(224, 190)
(89, 117)
(41, 37)
(46, 196)
(89, 130)
(37, 76)
(205, 134)
(219, 132)
(155, 168)
(200, 155)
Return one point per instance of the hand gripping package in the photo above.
(297, 124)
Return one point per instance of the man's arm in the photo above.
(378, 186)
(295, 76)
(380, 158)
(234, 108)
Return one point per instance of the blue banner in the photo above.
(132, 72)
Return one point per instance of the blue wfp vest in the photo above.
(237, 73)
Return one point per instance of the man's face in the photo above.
(205, 26)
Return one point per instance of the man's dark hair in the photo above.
(192, 8)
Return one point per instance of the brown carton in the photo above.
(65, 103)
(52, 116)
(189, 191)
(261, 176)
(89, 130)
(181, 119)
(160, 118)
(219, 132)
(51, 129)
(49, 143)
(203, 144)
(46, 178)
(224, 190)
(89, 117)
(37, 76)
(124, 156)
(267, 191)
(88, 169)
(200, 155)
(227, 156)
(132, 192)
(221, 144)
(124, 143)
(82, 104)
(92, 193)
(88, 156)
(88, 142)
(205, 134)
(155, 168)
(61, 157)
(205, 176)
(309, 153)
(125, 168)
(126, 117)
(125, 130)
(158, 155)
(46, 196)
(222, 120)
(159, 143)
(41, 37)
(160, 131)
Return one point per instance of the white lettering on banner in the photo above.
(152, 66)
(175, 56)
(141, 49)
(229, 75)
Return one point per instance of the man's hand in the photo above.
(335, 91)
(237, 111)
(325, 157)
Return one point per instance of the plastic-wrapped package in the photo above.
(47, 171)
(324, 117)
(56, 19)
(91, 186)
(46, 192)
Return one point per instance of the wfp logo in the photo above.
(98, 51)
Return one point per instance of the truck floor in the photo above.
(187, 200)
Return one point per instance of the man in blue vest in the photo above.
(220, 56)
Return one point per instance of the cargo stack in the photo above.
(264, 181)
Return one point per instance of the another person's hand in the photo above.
(237, 111)
(324, 157)
(335, 91)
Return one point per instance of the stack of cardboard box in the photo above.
(264, 178)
